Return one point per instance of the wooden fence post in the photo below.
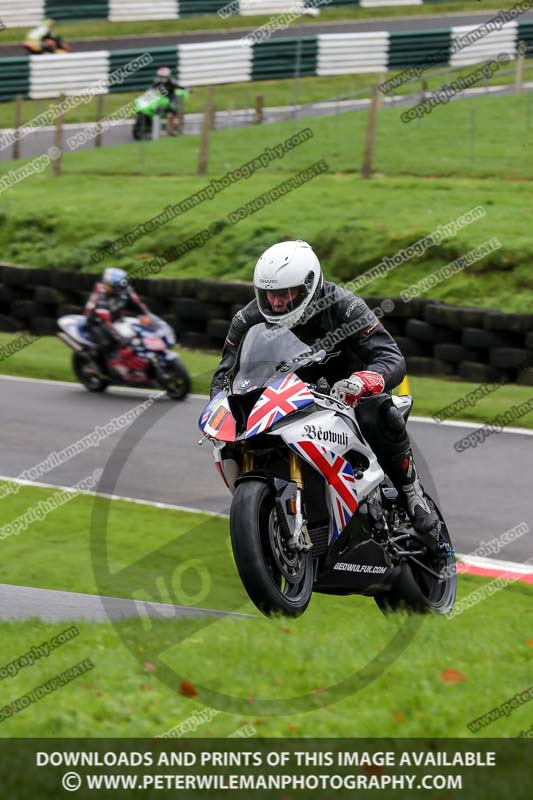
(18, 125)
(520, 59)
(206, 131)
(99, 116)
(259, 106)
(381, 96)
(58, 143)
(366, 170)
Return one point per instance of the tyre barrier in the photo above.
(436, 339)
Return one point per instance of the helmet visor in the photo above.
(280, 302)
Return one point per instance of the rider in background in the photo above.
(168, 86)
(42, 39)
(112, 298)
(363, 366)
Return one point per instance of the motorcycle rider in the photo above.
(41, 39)
(111, 299)
(168, 86)
(363, 367)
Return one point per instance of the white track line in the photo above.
(138, 501)
(456, 423)
(492, 563)
(114, 389)
(474, 561)
(144, 392)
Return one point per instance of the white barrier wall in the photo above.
(23, 13)
(215, 62)
(68, 74)
(341, 53)
(238, 61)
(487, 48)
(250, 7)
(142, 9)
(382, 3)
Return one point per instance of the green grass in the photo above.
(482, 145)
(104, 29)
(48, 358)
(254, 660)
(423, 178)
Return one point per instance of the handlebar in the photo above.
(321, 387)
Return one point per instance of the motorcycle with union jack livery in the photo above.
(312, 510)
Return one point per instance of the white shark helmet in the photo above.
(288, 265)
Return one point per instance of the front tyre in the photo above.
(87, 374)
(277, 579)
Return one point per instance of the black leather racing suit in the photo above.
(101, 326)
(168, 88)
(363, 344)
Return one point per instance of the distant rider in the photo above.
(363, 366)
(42, 39)
(169, 87)
(112, 298)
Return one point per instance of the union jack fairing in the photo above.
(283, 397)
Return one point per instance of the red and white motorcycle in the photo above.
(148, 361)
(312, 510)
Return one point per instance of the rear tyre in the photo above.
(86, 372)
(277, 580)
(142, 128)
(416, 590)
(176, 381)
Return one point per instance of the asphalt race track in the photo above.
(432, 22)
(482, 492)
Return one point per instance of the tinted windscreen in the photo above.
(268, 354)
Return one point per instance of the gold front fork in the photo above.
(295, 469)
(247, 461)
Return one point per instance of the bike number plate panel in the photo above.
(217, 420)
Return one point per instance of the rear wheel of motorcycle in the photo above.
(142, 128)
(177, 382)
(416, 590)
(258, 550)
(84, 371)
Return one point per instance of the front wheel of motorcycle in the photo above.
(417, 589)
(278, 580)
(87, 373)
(176, 381)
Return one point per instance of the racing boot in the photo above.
(402, 472)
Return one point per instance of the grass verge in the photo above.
(452, 671)
(352, 223)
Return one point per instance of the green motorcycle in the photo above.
(153, 104)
